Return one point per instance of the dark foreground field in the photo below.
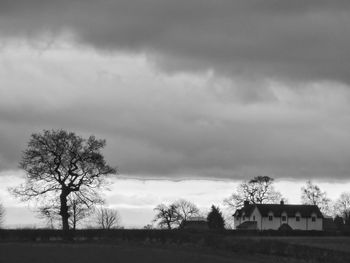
(171, 246)
(104, 253)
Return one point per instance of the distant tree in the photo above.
(59, 163)
(311, 194)
(215, 218)
(51, 214)
(2, 214)
(259, 190)
(166, 216)
(184, 210)
(342, 207)
(339, 222)
(107, 218)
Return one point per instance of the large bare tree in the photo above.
(258, 190)
(59, 163)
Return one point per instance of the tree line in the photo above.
(66, 172)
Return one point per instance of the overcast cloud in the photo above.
(299, 40)
(256, 87)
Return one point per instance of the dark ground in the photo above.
(105, 253)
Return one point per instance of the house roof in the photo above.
(278, 209)
(196, 219)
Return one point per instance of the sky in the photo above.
(187, 94)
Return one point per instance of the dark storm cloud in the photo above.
(298, 40)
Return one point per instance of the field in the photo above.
(91, 253)
(338, 243)
(169, 246)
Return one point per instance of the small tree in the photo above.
(2, 214)
(58, 163)
(258, 190)
(311, 194)
(107, 218)
(215, 219)
(339, 222)
(342, 207)
(51, 214)
(166, 216)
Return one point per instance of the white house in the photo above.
(275, 216)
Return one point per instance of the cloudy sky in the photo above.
(187, 93)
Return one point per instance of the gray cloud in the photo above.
(297, 40)
(247, 119)
(173, 126)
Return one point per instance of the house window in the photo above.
(297, 218)
(284, 218)
(313, 219)
(270, 218)
(253, 218)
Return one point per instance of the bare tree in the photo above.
(166, 216)
(60, 163)
(78, 210)
(173, 215)
(50, 213)
(184, 210)
(2, 214)
(258, 190)
(311, 194)
(342, 207)
(107, 218)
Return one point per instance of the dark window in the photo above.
(253, 218)
(313, 219)
(284, 218)
(270, 218)
(297, 218)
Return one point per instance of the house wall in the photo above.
(274, 224)
(303, 224)
(255, 214)
(263, 223)
(317, 225)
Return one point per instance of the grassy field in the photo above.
(336, 243)
(169, 246)
(333, 243)
(91, 253)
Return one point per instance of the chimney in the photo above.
(246, 203)
(282, 202)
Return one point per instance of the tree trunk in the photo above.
(64, 213)
(74, 215)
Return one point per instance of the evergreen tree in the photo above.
(215, 218)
